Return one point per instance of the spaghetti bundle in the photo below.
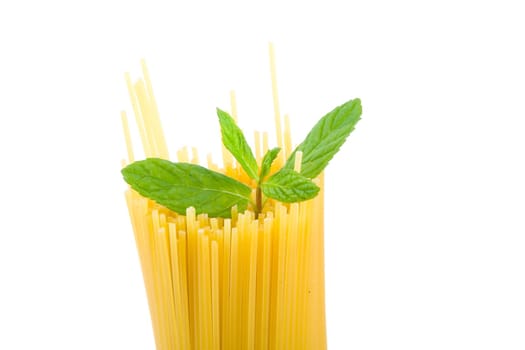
(245, 282)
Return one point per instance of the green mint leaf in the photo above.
(178, 186)
(326, 137)
(289, 186)
(267, 161)
(234, 140)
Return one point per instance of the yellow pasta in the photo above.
(249, 282)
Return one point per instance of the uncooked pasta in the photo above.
(245, 282)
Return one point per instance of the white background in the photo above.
(425, 244)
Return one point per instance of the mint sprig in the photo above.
(235, 142)
(267, 162)
(326, 138)
(178, 186)
(289, 186)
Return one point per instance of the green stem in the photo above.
(258, 200)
